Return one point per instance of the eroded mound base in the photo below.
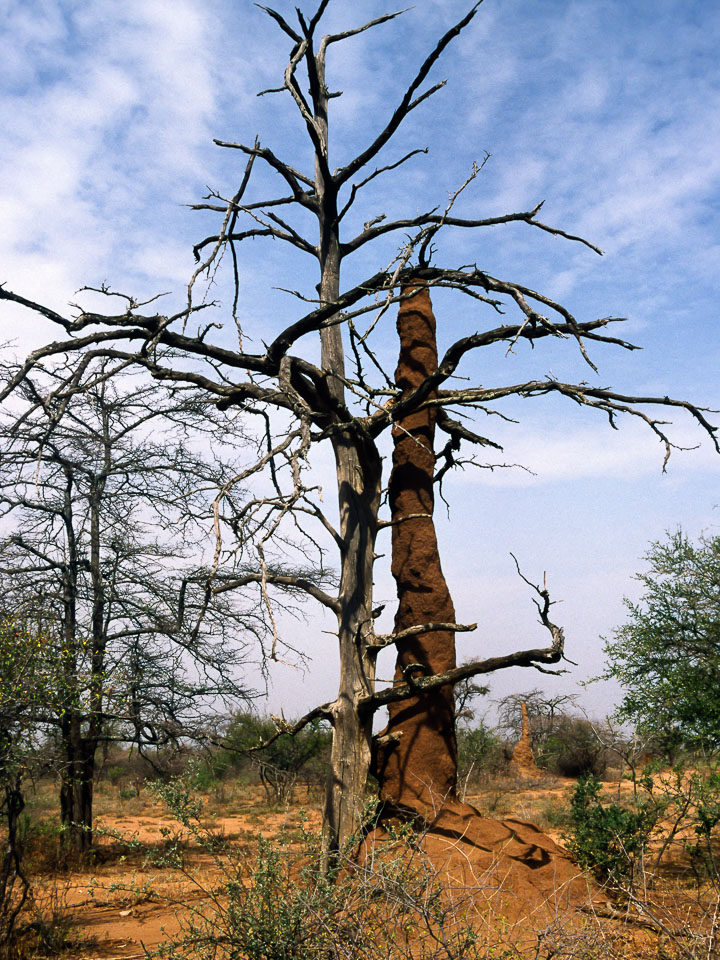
(508, 870)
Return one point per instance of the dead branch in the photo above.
(281, 580)
(522, 658)
(382, 640)
(324, 712)
(407, 104)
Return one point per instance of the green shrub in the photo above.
(114, 774)
(702, 790)
(286, 760)
(480, 750)
(206, 775)
(554, 815)
(605, 837)
(275, 901)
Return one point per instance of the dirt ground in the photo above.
(122, 905)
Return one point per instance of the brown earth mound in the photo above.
(504, 869)
(419, 759)
(509, 874)
(523, 758)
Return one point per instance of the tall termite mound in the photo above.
(508, 862)
(418, 768)
(523, 758)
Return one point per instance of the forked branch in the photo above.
(407, 104)
(536, 658)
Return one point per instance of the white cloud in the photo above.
(110, 119)
(557, 453)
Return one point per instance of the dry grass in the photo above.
(123, 896)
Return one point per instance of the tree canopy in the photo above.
(667, 655)
(105, 502)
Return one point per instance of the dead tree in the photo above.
(346, 399)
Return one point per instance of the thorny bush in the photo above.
(274, 901)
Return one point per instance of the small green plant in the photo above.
(274, 900)
(480, 751)
(553, 815)
(114, 774)
(605, 837)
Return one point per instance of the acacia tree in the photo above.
(347, 401)
(666, 656)
(103, 497)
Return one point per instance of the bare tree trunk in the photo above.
(359, 474)
(76, 791)
(417, 766)
(14, 885)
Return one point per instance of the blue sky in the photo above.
(609, 111)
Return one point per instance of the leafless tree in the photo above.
(101, 501)
(346, 399)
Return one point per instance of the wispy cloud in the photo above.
(110, 106)
(555, 452)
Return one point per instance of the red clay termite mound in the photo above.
(419, 764)
(523, 758)
(416, 765)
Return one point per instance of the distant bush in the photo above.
(574, 749)
(287, 761)
(480, 751)
(114, 774)
(128, 767)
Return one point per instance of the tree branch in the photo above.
(282, 580)
(407, 103)
(324, 711)
(429, 218)
(522, 658)
(288, 173)
(353, 32)
(376, 173)
(383, 640)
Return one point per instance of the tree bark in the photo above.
(14, 885)
(417, 764)
(76, 793)
(359, 474)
